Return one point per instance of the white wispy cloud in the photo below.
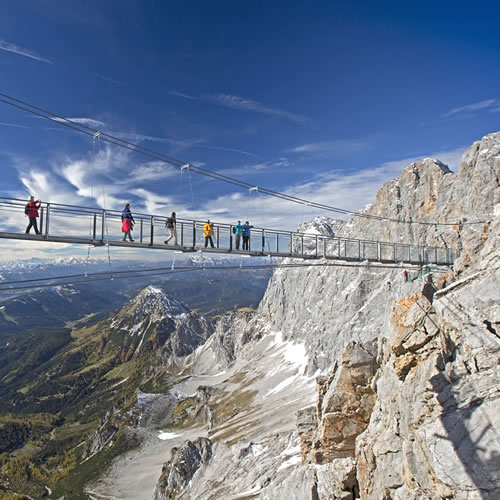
(88, 122)
(265, 166)
(230, 150)
(153, 203)
(112, 80)
(176, 145)
(243, 104)
(16, 49)
(186, 96)
(470, 108)
(149, 171)
(337, 146)
(13, 125)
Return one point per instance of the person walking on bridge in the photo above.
(246, 235)
(31, 210)
(238, 231)
(171, 225)
(127, 223)
(208, 231)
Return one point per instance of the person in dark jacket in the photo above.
(171, 225)
(32, 213)
(238, 230)
(246, 235)
(127, 222)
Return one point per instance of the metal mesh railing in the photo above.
(75, 224)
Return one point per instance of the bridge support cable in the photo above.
(75, 279)
(22, 105)
(97, 137)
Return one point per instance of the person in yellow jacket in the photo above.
(208, 231)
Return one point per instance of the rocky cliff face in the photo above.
(350, 381)
(433, 431)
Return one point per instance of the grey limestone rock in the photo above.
(180, 469)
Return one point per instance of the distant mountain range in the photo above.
(211, 291)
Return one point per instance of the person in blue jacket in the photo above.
(246, 235)
(238, 231)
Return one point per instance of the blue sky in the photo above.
(326, 100)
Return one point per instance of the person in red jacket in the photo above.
(31, 211)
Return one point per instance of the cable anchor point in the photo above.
(96, 135)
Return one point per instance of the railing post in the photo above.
(152, 230)
(316, 246)
(103, 223)
(324, 248)
(194, 234)
(263, 241)
(94, 229)
(394, 253)
(141, 229)
(359, 249)
(302, 244)
(41, 220)
(409, 253)
(378, 251)
(435, 255)
(231, 238)
(47, 220)
(218, 234)
(277, 242)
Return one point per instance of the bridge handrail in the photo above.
(156, 220)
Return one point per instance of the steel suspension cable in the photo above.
(209, 173)
(139, 273)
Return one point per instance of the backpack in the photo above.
(27, 209)
(234, 230)
(170, 223)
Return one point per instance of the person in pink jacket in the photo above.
(31, 212)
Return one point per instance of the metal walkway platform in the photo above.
(91, 226)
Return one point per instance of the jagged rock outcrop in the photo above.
(344, 407)
(101, 437)
(180, 469)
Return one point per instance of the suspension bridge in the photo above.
(59, 223)
(97, 227)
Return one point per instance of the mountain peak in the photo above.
(154, 297)
(151, 304)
